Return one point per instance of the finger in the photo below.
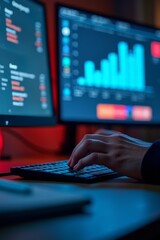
(93, 158)
(86, 147)
(74, 150)
(87, 136)
(85, 142)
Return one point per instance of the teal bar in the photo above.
(131, 72)
(105, 73)
(123, 65)
(113, 66)
(89, 69)
(140, 67)
(98, 79)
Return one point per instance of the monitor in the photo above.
(108, 69)
(25, 79)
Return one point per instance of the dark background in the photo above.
(142, 11)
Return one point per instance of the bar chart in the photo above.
(124, 70)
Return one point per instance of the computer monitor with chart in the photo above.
(108, 69)
(25, 80)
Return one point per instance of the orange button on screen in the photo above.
(111, 111)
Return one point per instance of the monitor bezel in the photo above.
(34, 121)
(98, 122)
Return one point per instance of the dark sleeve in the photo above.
(150, 168)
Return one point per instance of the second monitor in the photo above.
(25, 79)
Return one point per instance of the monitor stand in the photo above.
(69, 139)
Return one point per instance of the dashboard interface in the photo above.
(109, 70)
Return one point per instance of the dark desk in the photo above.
(121, 209)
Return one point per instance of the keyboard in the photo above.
(60, 171)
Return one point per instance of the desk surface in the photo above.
(121, 208)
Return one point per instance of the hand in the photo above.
(115, 150)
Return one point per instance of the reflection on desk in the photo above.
(118, 211)
(121, 208)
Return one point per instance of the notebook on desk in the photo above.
(23, 202)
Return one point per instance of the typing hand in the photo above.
(115, 150)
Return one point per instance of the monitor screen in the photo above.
(25, 81)
(108, 69)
